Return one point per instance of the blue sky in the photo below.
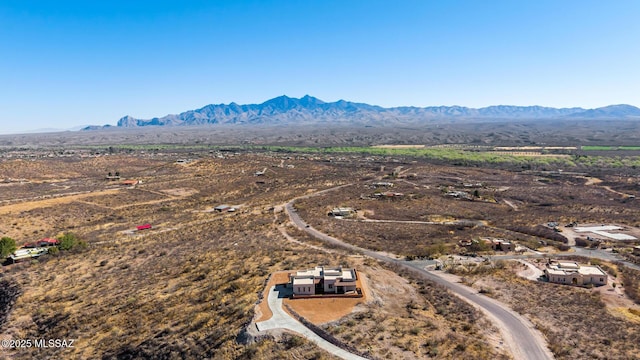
(67, 63)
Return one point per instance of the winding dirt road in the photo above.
(520, 335)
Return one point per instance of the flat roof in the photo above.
(591, 270)
(310, 272)
(571, 270)
(596, 228)
(614, 236)
(348, 275)
(332, 272)
(554, 271)
(568, 264)
(603, 230)
(302, 281)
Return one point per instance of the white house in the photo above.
(324, 280)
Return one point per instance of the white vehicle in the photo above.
(22, 254)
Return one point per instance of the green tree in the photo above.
(69, 241)
(7, 246)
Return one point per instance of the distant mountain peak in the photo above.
(311, 110)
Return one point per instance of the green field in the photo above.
(609, 148)
(452, 155)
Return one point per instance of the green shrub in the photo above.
(7, 246)
(70, 241)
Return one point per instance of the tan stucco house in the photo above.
(572, 273)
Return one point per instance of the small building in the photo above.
(382, 184)
(636, 250)
(221, 208)
(572, 273)
(130, 182)
(459, 195)
(324, 280)
(499, 244)
(388, 195)
(342, 212)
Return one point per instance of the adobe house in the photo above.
(570, 272)
(324, 280)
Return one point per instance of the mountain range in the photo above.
(311, 110)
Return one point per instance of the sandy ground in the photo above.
(30, 205)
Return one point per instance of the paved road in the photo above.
(523, 340)
(282, 320)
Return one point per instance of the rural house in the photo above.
(221, 208)
(570, 272)
(324, 280)
(342, 212)
(499, 244)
